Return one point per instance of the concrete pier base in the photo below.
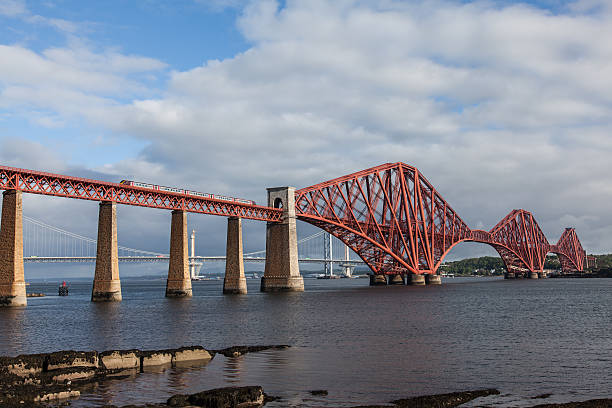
(509, 275)
(417, 280)
(533, 275)
(282, 271)
(542, 275)
(178, 284)
(432, 279)
(378, 280)
(12, 282)
(106, 285)
(396, 279)
(234, 282)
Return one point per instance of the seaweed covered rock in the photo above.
(117, 360)
(453, 399)
(228, 397)
(236, 351)
(192, 353)
(70, 358)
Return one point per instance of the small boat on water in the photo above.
(63, 289)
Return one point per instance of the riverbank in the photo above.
(254, 396)
(33, 379)
(49, 379)
(607, 273)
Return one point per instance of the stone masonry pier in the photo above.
(12, 282)
(235, 281)
(179, 281)
(106, 285)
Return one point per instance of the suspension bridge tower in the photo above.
(192, 267)
(328, 254)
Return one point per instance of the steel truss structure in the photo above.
(396, 221)
(572, 256)
(390, 215)
(57, 185)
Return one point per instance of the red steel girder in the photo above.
(393, 218)
(570, 252)
(58, 185)
(390, 215)
(520, 241)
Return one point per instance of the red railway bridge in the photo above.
(397, 222)
(390, 215)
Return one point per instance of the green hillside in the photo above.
(492, 265)
(486, 265)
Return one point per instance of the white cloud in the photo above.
(65, 26)
(18, 9)
(219, 5)
(12, 8)
(21, 153)
(70, 68)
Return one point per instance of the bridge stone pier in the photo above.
(433, 279)
(12, 282)
(410, 279)
(396, 279)
(282, 271)
(106, 285)
(235, 281)
(378, 280)
(179, 280)
(416, 279)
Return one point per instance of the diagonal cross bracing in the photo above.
(393, 218)
(35, 182)
(397, 222)
(390, 215)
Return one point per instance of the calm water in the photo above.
(363, 344)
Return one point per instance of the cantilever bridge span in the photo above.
(397, 222)
(390, 215)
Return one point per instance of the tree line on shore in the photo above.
(492, 265)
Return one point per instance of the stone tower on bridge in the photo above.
(282, 271)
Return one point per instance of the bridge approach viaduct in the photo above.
(390, 215)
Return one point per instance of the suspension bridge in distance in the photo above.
(390, 216)
(45, 243)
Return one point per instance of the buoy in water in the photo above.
(63, 289)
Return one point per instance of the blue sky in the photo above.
(501, 104)
(183, 33)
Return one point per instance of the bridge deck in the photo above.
(36, 182)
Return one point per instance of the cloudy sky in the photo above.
(501, 104)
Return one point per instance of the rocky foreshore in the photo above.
(37, 379)
(236, 351)
(450, 400)
(32, 379)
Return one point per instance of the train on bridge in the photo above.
(186, 192)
